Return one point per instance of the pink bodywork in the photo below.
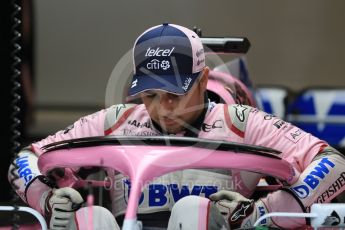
(230, 89)
(142, 164)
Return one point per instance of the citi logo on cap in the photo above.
(159, 52)
(156, 65)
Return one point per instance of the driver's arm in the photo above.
(31, 186)
(27, 180)
(321, 167)
(57, 205)
(320, 182)
(24, 175)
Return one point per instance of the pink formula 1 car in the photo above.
(144, 158)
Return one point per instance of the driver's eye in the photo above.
(150, 95)
(174, 96)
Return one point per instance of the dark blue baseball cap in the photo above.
(166, 57)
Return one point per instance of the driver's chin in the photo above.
(172, 129)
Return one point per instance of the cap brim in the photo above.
(169, 83)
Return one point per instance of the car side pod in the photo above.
(145, 158)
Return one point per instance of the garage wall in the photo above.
(78, 42)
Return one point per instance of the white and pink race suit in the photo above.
(321, 168)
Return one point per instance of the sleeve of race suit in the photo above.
(26, 179)
(320, 182)
(24, 175)
(321, 168)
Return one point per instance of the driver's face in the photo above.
(174, 112)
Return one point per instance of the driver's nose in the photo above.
(167, 102)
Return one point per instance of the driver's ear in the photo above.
(204, 79)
